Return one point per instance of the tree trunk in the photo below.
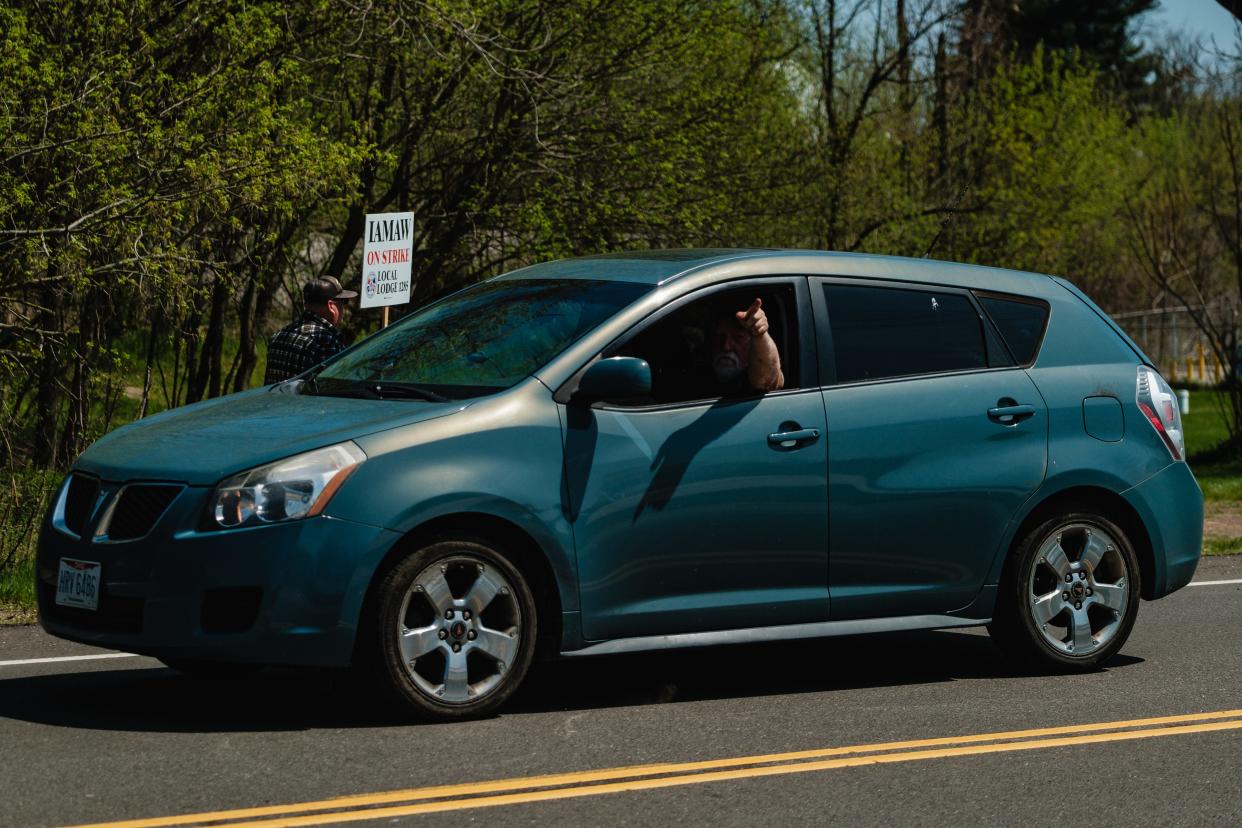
(153, 336)
(209, 376)
(47, 398)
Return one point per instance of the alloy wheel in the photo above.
(459, 629)
(1078, 589)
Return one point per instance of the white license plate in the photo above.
(78, 584)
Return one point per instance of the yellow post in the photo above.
(1190, 368)
(1217, 374)
(1202, 362)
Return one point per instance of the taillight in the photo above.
(1159, 405)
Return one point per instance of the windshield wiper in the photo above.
(310, 385)
(404, 390)
(355, 390)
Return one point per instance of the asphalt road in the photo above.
(120, 739)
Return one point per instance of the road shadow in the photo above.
(160, 700)
(782, 668)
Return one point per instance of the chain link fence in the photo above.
(1176, 343)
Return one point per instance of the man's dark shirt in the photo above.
(305, 342)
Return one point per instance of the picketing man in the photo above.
(313, 336)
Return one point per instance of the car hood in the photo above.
(203, 443)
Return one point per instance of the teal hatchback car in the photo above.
(578, 458)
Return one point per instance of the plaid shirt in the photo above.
(303, 343)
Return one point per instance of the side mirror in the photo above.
(614, 378)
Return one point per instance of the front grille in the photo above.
(138, 508)
(80, 502)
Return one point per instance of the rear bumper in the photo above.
(280, 594)
(1171, 506)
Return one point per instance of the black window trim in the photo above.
(1023, 300)
(806, 336)
(823, 330)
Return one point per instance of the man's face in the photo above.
(336, 309)
(730, 349)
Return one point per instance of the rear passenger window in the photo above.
(893, 332)
(1020, 323)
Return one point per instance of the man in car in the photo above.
(313, 336)
(744, 357)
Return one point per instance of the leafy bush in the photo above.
(24, 499)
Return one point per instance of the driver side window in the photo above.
(689, 349)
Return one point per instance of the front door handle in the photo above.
(1010, 414)
(793, 439)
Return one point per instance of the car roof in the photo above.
(661, 267)
(654, 267)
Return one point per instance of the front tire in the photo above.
(1070, 595)
(453, 630)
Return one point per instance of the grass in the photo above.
(1204, 427)
(17, 582)
(24, 498)
(1221, 482)
(1222, 546)
(1204, 430)
(17, 598)
(1221, 479)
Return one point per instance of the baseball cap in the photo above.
(324, 289)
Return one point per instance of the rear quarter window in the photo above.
(1021, 323)
(881, 332)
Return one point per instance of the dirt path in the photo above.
(14, 614)
(1222, 519)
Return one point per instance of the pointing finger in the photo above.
(749, 314)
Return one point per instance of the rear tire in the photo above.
(452, 631)
(1070, 594)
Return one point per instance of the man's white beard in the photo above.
(727, 366)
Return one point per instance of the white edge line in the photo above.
(22, 661)
(1215, 583)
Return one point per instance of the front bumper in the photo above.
(286, 593)
(1170, 504)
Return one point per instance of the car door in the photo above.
(935, 439)
(694, 512)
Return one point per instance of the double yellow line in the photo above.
(527, 789)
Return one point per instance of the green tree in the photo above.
(139, 140)
(1054, 153)
(1101, 33)
(1185, 217)
(173, 172)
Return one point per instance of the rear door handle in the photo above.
(792, 439)
(1010, 414)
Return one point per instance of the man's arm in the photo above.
(327, 343)
(764, 372)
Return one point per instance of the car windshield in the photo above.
(478, 341)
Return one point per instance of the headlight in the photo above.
(293, 488)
